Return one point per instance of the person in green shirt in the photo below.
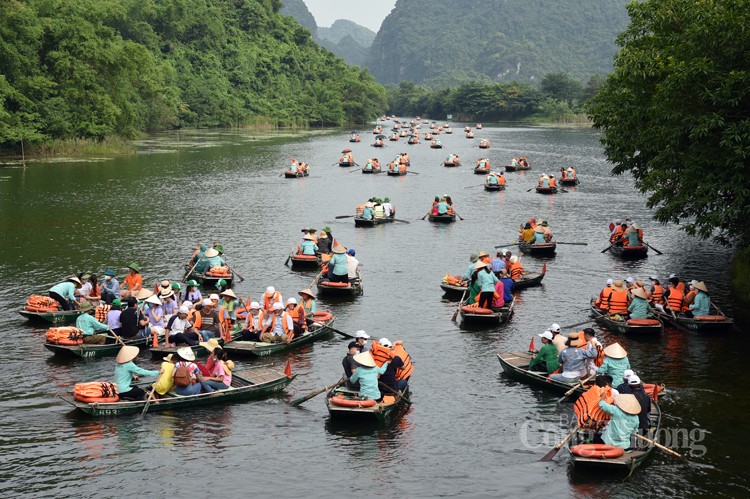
(624, 421)
(126, 371)
(546, 360)
(639, 308)
(90, 326)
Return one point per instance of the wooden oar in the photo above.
(458, 308)
(459, 216)
(428, 214)
(191, 270)
(413, 173)
(504, 245)
(148, 400)
(345, 335)
(657, 251)
(298, 401)
(574, 244)
(607, 249)
(234, 271)
(531, 189)
(579, 324)
(289, 257)
(344, 216)
(117, 338)
(400, 394)
(315, 280)
(551, 454)
(400, 220)
(580, 383)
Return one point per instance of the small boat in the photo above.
(481, 171)
(54, 317)
(397, 173)
(355, 139)
(719, 323)
(163, 351)
(627, 462)
(442, 219)
(623, 326)
(345, 164)
(484, 144)
(300, 261)
(469, 135)
(538, 249)
(629, 252)
(84, 351)
(413, 140)
(569, 181)
(262, 349)
(448, 130)
(516, 168)
(530, 280)
(486, 316)
(209, 280)
(251, 384)
(344, 403)
(436, 146)
(361, 222)
(365, 170)
(546, 190)
(340, 289)
(451, 163)
(378, 144)
(493, 187)
(479, 126)
(393, 137)
(297, 174)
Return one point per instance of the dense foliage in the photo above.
(95, 68)
(507, 40)
(676, 113)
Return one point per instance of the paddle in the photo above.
(234, 271)
(531, 189)
(400, 220)
(289, 257)
(607, 249)
(400, 394)
(580, 383)
(474, 186)
(413, 173)
(117, 338)
(191, 270)
(427, 214)
(504, 245)
(315, 280)
(298, 401)
(345, 335)
(148, 400)
(455, 314)
(574, 244)
(579, 324)
(459, 216)
(657, 251)
(551, 454)
(344, 216)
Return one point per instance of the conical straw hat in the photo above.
(628, 403)
(615, 351)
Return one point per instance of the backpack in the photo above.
(182, 376)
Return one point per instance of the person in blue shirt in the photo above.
(544, 180)
(498, 263)
(64, 293)
(212, 259)
(110, 287)
(624, 421)
(442, 207)
(486, 280)
(507, 286)
(367, 375)
(702, 303)
(367, 212)
(538, 236)
(308, 245)
(631, 234)
(126, 372)
(89, 326)
(639, 308)
(338, 268)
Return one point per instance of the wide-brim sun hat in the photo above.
(306, 292)
(363, 359)
(144, 294)
(618, 285)
(640, 293)
(308, 237)
(127, 353)
(165, 293)
(339, 250)
(483, 254)
(211, 252)
(210, 345)
(480, 264)
(135, 267)
(628, 403)
(701, 286)
(86, 307)
(186, 353)
(228, 293)
(615, 351)
(109, 272)
(75, 281)
(154, 300)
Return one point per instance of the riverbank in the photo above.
(741, 275)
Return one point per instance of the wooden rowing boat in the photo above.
(163, 351)
(246, 385)
(54, 317)
(493, 187)
(298, 174)
(538, 249)
(516, 365)
(442, 219)
(709, 324)
(206, 280)
(436, 146)
(484, 145)
(516, 168)
(527, 281)
(546, 190)
(345, 164)
(497, 316)
(629, 252)
(334, 289)
(370, 171)
(361, 222)
(300, 261)
(451, 164)
(623, 326)
(628, 462)
(481, 171)
(396, 173)
(262, 349)
(569, 181)
(84, 351)
(378, 412)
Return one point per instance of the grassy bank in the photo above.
(741, 274)
(569, 119)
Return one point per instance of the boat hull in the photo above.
(540, 249)
(498, 316)
(510, 168)
(57, 318)
(629, 252)
(546, 190)
(361, 222)
(353, 290)
(295, 175)
(494, 187)
(378, 412)
(442, 219)
(261, 349)
(84, 351)
(622, 327)
(301, 262)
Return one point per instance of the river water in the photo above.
(471, 431)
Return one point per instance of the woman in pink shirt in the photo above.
(221, 376)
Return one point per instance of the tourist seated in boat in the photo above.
(352, 264)
(623, 422)
(396, 376)
(389, 211)
(210, 260)
(514, 162)
(165, 382)
(187, 377)
(346, 158)
(307, 302)
(702, 303)
(293, 165)
(207, 321)
(553, 182)
(547, 231)
(441, 208)
(516, 269)
(508, 285)
(568, 173)
(361, 338)
(404, 160)
(133, 282)
(615, 361)
(179, 329)
(155, 315)
(89, 326)
(573, 360)
(113, 317)
(522, 161)
(498, 263)
(595, 351)
(486, 280)
(368, 212)
(253, 327)
(132, 321)
(278, 326)
(228, 308)
(539, 237)
(126, 372)
(634, 386)
(366, 374)
(631, 237)
(558, 339)
(64, 293)
(168, 303)
(623, 387)
(674, 296)
(372, 164)
(546, 358)
(308, 246)
(221, 374)
(619, 238)
(602, 302)
(483, 164)
(527, 234)
(338, 269)
(639, 307)
(544, 181)
(324, 243)
(192, 293)
(618, 299)
(350, 365)
(297, 313)
(110, 287)
(90, 289)
(269, 297)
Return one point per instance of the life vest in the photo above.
(287, 331)
(66, 335)
(307, 306)
(516, 271)
(405, 371)
(380, 353)
(268, 301)
(298, 313)
(552, 182)
(689, 298)
(101, 311)
(501, 179)
(619, 232)
(681, 287)
(226, 321)
(618, 302)
(675, 299)
(255, 323)
(657, 294)
(98, 391)
(608, 398)
(604, 296)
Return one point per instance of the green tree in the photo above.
(562, 87)
(676, 113)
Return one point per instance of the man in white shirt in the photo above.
(557, 339)
(352, 264)
(388, 210)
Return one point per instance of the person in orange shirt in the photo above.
(133, 282)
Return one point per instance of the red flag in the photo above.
(531, 345)
(288, 369)
(155, 340)
(544, 268)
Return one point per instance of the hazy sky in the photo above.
(368, 13)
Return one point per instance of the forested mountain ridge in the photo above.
(342, 28)
(97, 68)
(506, 40)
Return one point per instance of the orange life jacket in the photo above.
(501, 180)
(618, 302)
(516, 271)
(226, 321)
(604, 296)
(657, 294)
(268, 301)
(256, 323)
(689, 298)
(289, 332)
(674, 300)
(681, 287)
(405, 371)
(298, 314)
(619, 232)
(381, 354)
(552, 182)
